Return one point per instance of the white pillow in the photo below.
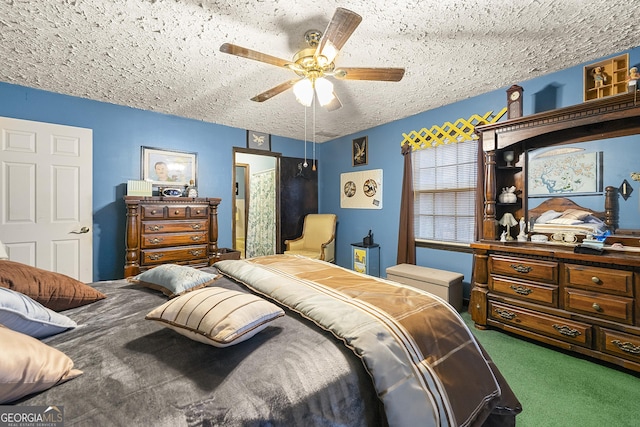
(565, 221)
(547, 216)
(216, 316)
(23, 314)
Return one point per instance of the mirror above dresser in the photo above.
(604, 134)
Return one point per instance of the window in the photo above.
(444, 184)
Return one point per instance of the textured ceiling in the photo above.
(163, 55)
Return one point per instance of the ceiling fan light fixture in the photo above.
(324, 90)
(329, 52)
(303, 90)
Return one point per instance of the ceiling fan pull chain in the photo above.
(305, 164)
(314, 136)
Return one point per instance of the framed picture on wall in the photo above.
(168, 167)
(359, 151)
(258, 140)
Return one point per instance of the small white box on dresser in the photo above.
(445, 284)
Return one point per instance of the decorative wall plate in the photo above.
(172, 192)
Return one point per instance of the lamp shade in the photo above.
(303, 90)
(508, 220)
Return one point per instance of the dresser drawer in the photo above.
(530, 291)
(153, 211)
(619, 344)
(176, 212)
(174, 226)
(600, 279)
(555, 327)
(174, 239)
(163, 256)
(601, 305)
(523, 268)
(198, 212)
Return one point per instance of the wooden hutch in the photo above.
(580, 302)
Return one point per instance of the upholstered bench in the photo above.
(445, 284)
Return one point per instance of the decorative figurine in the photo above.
(599, 78)
(632, 79)
(522, 236)
(191, 190)
(508, 195)
(503, 236)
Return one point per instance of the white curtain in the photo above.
(261, 227)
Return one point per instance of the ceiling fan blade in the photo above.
(264, 96)
(243, 52)
(334, 105)
(379, 74)
(342, 25)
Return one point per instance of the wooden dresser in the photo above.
(580, 302)
(177, 230)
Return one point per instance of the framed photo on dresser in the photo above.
(168, 167)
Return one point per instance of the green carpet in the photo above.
(559, 389)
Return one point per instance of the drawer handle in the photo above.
(196, 226)
(155, 228)
(155, 240)
(522, 268)
(595, 279)
(196, 252)
(522, 290)
(509, 315)
(627, 346)
(177, 212)
(198, 211)
(153, 212)
(196, 238)
(155, 257)
(596, 306)
(565, 330)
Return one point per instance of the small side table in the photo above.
(366, 259)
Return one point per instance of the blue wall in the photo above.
(119, 132)
(560, 89)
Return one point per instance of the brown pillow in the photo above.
(27, 366)
(53, 290)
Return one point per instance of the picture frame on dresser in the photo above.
(168, 168)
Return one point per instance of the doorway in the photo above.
(256, 200)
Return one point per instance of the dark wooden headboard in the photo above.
(560, 204)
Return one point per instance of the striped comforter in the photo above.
(426, 366)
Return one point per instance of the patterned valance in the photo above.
(449, 133)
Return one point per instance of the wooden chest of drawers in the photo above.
(164, 230)
(585, 303)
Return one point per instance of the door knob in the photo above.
(83, 230)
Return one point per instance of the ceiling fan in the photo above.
(314, 63)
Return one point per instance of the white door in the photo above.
(46, 181)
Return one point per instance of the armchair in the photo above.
(318, 238)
